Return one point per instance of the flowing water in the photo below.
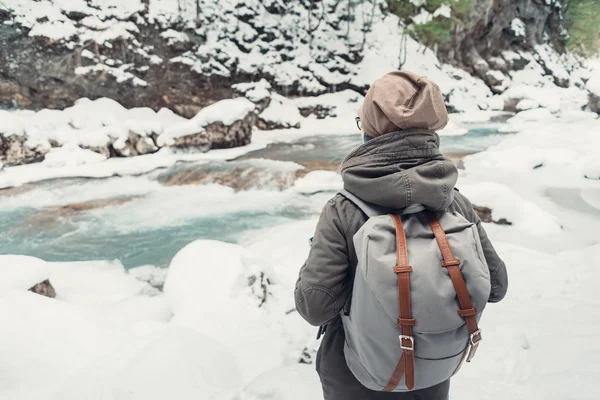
(147, 219)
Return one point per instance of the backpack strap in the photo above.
(373, 210)
(370, 209)
(467, 311)
(406, 364)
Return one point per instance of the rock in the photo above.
(198, 142)
(593, 87)
(594, 102)
(321, 111)
(241, 178)
(281, 113)
(223, 136)
(135, 145)
(485, 215)
(14, 151)
(44, 288)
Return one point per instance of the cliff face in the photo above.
(495, 27)
(176, 55)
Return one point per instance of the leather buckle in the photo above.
(402, 268)
(475, 337)
(451, 263)
(410, 339)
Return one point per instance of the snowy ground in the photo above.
(110, 335)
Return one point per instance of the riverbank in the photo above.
(211, 288)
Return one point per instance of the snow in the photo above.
(319, 181)
(20, 272)
(444, 11)
(453, 129)
(591, 168)
(174, 36)
(120, 73)
(71, 155)
(106, 336)
(536, 114)
(518, 27)
(254, 91)
(54, 30)
(423, 17)
(225, 111)
(294, 382)
(505, 203)
(527, 104)
(19, 175)
(282, 111)
(593, 85)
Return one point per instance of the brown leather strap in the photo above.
(406, 364)
(467, 311)
(396, 375)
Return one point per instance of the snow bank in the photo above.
(319, 181)
(171, 362)
(505, 203)
(294, 382)
(19, 175)
(218, 288)
(22, 272)
(532, 115)
(191, 286)
(591, 168)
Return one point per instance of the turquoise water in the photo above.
(157, 221)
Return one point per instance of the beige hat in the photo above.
(402, 100)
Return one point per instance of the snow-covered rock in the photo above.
(593, 87)
(227, 123)
(281, 113)
(22, 272)
(527, 104)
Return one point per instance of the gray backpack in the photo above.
(420, 286)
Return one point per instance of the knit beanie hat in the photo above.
(402, 100)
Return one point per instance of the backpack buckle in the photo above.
(475, 337)
(410, 339)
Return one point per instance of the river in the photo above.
(145, 220)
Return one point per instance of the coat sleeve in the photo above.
(498, 274)
(323, 285)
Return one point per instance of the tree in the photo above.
(582, 21)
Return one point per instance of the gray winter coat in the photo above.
(393, 171)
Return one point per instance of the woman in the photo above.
(399, 164)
